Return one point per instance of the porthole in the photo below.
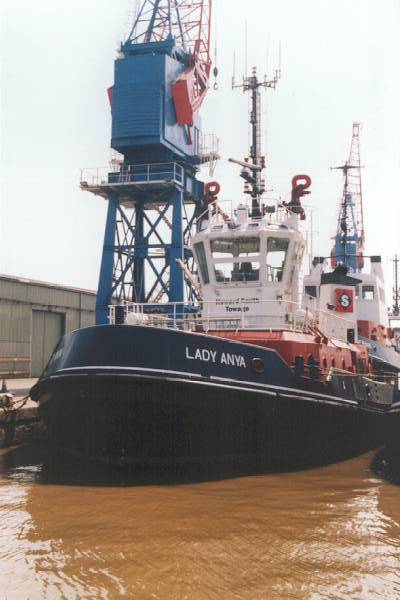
(258, 365)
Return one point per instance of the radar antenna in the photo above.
(254, 165)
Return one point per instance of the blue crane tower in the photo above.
(161, 77)
(350, 238)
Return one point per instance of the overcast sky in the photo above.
(340, 63)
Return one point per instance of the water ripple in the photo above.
(321, 534)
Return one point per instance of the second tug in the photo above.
(247, 375)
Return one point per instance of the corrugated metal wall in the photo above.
(24, 347)
(47, 329)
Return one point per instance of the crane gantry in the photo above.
(350, 235)
(161, 78)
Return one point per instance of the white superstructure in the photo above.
(370, 292)
(249, 266)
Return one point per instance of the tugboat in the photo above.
(373, 323)
(248, 375)
(378, 329)
(374, 330)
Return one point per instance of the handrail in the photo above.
(286, 315)
(281, 214)
(23, 370)
(132, 173)
(14, 359)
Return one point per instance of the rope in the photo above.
(12, 406)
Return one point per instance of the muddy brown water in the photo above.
(67, 531)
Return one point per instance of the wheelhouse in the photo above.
(249, 266)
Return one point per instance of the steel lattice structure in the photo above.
(188, 22)
(154, 198)
(350, 233)
(137, 250)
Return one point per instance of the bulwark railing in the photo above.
(268, 315)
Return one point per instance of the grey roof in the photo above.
(339, 278)
(46, 284)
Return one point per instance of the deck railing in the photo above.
(271, 315)
(14, 367)
(120, 174)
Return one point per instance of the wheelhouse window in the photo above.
(227, 272)
(277, 248)
(202, 261)
(237, 247)
(367, 292)
(311, 290)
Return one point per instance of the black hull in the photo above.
(387, 462)
(120, 419)
(152, 416)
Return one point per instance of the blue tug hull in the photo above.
(141, 395)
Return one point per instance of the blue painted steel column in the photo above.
(140, 256)
(104, 291)
(176, 283)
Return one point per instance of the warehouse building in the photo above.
(33, 317)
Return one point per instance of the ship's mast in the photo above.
(254, 165)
